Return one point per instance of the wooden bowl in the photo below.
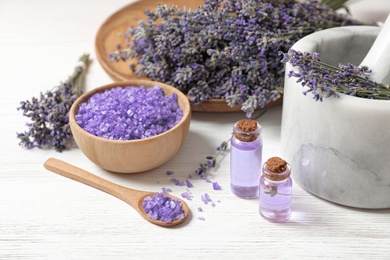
(132, 156)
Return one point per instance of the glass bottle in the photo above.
(275, 190)
(245, 159)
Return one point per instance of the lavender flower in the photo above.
(211, 160)
(224, 49)
(49, 126)
(322, 79)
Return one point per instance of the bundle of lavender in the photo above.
(371, 79)
(48, 125)
(224, 49)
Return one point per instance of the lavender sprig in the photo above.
(323, 79)
(224, 49)
(212, 160)
(49, 126)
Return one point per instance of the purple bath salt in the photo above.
(166, 190)
(163, 208)
(170, 172)
(216, 186)
(206, 198)
(178, 182)
(189, 184)
(187, 195)
(129, 113)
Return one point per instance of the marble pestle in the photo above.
(378, 57)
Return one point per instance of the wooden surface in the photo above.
(111, 33)
(46, 216)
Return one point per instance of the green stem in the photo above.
(78, 76)
(334, 4)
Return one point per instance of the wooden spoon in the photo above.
(130, 196)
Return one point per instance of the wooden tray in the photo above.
(111, 33)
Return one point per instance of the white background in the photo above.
(46, 216)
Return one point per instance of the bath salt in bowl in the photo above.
(130, 126)
(129, 113)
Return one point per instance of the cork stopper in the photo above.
(276, 169)
(247, 130)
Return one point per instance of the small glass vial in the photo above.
(275, 190)
(245, 159)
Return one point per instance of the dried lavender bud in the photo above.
(163, 208)
(49, 126)
(129, 113)
(224, 49)
(326, 80)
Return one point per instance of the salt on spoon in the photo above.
(134, 198)
(378, 57)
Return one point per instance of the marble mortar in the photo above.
(339, 149)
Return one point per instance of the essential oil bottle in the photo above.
(275, 190)
(245, 159)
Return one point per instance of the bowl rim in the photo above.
(132, 83)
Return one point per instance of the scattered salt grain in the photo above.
(178, 182)
(187, 195)
(166, 190)
(129, 113)
(163, 208)
(206, 198)
(189, 184)
(216, 186)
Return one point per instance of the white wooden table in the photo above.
(46, 216)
